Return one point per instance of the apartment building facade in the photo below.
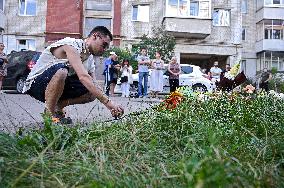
(24, 24)
(263, 39)
(205, 30)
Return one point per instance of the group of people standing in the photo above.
(112, 69)
(156, 78)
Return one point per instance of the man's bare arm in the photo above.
(74, 59)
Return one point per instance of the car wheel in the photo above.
(20, 84)
(134, 89)
(199, 88)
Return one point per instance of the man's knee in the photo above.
(61, 73)
(90, 97)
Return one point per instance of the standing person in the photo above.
(115, 68)
(49, 82)
(156, 78)
(225, 71)
(174, 70)
(126, 77)
(109, 71)
(3, 65)
(265, 77)
(215, 72)
(143, 68)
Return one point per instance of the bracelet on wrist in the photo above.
(103, 98)
(106, 102)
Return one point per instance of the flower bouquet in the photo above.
(232, 78)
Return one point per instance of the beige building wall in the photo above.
(20, 27)
(248, 45)
(202, 48)
(131, 31)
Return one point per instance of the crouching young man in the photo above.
(49, 82)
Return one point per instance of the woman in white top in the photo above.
(126, 77)
(156, 78)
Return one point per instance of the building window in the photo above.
(221, 17)
(98, 5)
(140, 13)
(273, 29)
(274, 2)
(244, 6)
(269, 59)
(244, 34)
(188, 8)
(90, 23)
(26, 44)
(2, 2)
(27, 7)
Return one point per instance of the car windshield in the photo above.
(186, 69)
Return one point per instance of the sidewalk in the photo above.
(18, 110)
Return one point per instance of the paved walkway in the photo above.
(18, 110)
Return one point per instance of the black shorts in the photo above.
(73, 88)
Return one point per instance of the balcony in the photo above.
(188, 27)
(270, 13)
(2, 19)
(269, 45)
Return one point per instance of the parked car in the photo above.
(191, 76)
(18, 68)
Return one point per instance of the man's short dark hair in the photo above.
(143, 48)
(101, 29)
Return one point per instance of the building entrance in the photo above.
(204, 61)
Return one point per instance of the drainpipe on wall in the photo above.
(116, 23)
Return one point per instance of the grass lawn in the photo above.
(225, 141)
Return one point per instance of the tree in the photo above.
(161, 41)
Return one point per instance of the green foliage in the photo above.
(274, 70)
(227, 141)
(161, 41)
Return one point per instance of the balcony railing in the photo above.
(269, 45)
(188, 27)
(271, 13)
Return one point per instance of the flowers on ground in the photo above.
(249, 89)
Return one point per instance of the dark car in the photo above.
(18, 68)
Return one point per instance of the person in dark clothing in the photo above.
(174, 72)
(114, 69)
(110, 73)
(265, 77)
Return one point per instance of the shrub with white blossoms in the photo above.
(275, 94)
